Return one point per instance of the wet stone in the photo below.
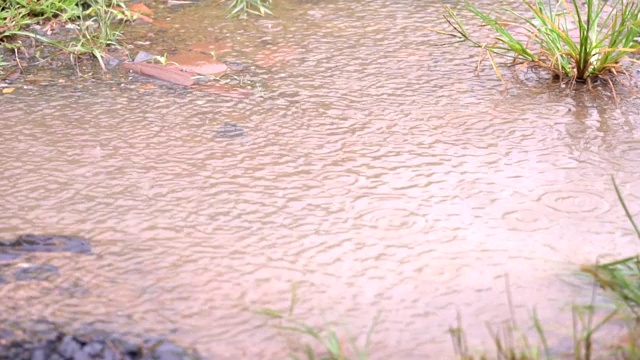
(169, 351)
(39, 354)
(93, 348)
(36, 273)
(110, 354)
(229, 131)
(111, 62)
(69, 347)
(37, 342)
(81, 356)
(126, 347)
(46, 243)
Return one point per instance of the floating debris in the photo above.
(143, 56)
(198, 63)
(165, 73)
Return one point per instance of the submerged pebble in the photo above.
(45, 243)
(235, 65)
(36, 273)
(11, 250)
(229, 131)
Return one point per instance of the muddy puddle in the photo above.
(369, 166)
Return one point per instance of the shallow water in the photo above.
(374, 170)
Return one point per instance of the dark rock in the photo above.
(39, 354)
(81, 355)
(125, 347)
(46, 243)
(169, 351)
(110, 354)
(229, 131)
(92, 348)
(69, 347)
(46, 341)
(36, 273)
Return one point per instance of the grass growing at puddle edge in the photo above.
(620, 278)
(574, 42)
(95, 25)
(240, 8)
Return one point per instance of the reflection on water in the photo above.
(375, 170)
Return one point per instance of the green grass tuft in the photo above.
(240, 8)
(98, 24)
(622, 277)
(572, 41)
(326, 341)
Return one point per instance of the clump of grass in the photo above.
(96, 27)
(621, 276)
(326, 343)
(572, 41)
(240, 8)
(16, 15)
(44, 8)
(511, 342)
(13, 19)
(96, 34)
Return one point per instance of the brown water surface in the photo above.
(375, 170)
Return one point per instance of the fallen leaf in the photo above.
(144, 18)
(137, 14)
(141, 9)
(8, 90)
(198, 63)
(165, 73)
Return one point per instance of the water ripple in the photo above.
(375, 170)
